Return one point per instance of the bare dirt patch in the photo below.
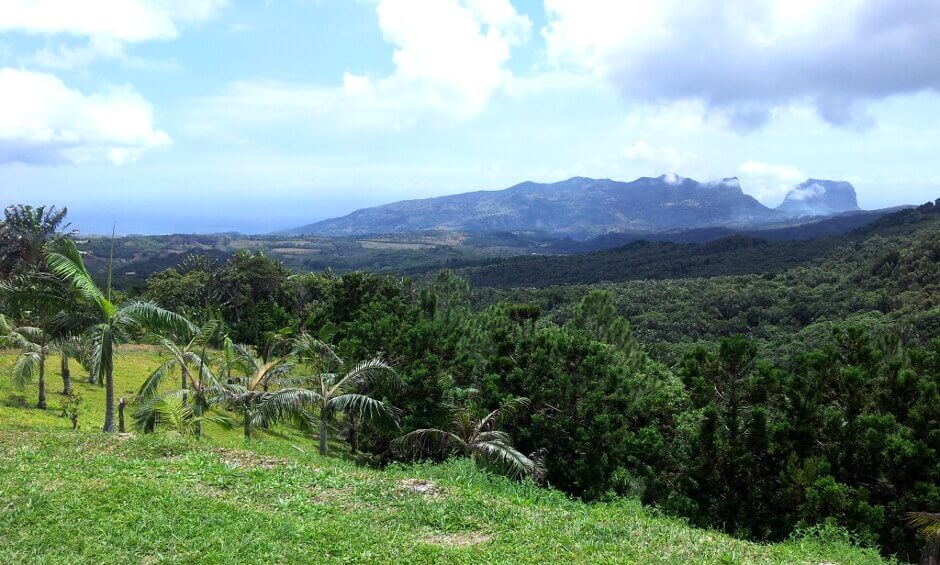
(422, 487)
(247, 459)
(457, 540)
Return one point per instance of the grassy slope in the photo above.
(85, 497)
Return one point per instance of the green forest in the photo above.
(752, 386)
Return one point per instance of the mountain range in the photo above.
(583, 207)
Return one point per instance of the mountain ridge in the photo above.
(585, 207)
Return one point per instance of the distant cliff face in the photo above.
(585, 207)
(817, 197)
(578, 206)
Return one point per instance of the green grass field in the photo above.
(84, 497)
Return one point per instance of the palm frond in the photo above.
(363, 372)
(506, 412)
(101, 343)
(363, 406)
(285, 403)
(428, 441)
(150, 316)
(928, 523)
(306, 345)
(506, 456)
(25, 366)
(152, 383)
(64, 259)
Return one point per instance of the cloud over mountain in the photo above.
(743, 60)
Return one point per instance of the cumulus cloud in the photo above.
(805, 192)
(769, 182)
(450, 57)
(124, 20)
(456, 51)
(42, 121)
(743, 60)
(106, 26)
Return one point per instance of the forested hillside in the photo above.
(884, 276)
(736, 254)
(759, 405)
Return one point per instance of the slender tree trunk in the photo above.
(931, 553)
(324, 444)
(184, 377)
(197, 413)
(122, 402)
(247, 425)
(42, 383)
(109, 401)
(66, 376)
(353, 433)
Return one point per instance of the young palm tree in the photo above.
(325, 395)
(475, 438)
(34, 347)
(929, 525)
(104, 324)
(178, 414)
(34, 299)
(198, 384)
(245, 393)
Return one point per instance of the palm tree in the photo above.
(323, 396)
(34, 346)
(34, 299)
(24, 233)
(104, 324)
(245, 393)
(197, 379)
(929, 525)
(178, 414)
(475, 438)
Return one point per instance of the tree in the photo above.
(34, 347)
(245, 393)
(197, 381)
(35, 299)
(104, 324)
(178, 414)
(476, 438)
(327, 393)
(24, 233)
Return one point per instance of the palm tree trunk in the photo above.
(197, 414)
(247, 425)
(184, 377)
(324, 444)
(66, 376)
(121, 404)
(109, 401)
(42, 383)
(931, 553)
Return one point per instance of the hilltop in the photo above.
(86, 497)
(585, 207)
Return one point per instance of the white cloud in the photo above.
(805, 192)
(450, 57)
(743, 60)
(665, 158)
(455, 51)
(43, 121)
(769, 182)
(106, 26)
(124, 20)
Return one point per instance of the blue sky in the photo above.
(211, 115)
